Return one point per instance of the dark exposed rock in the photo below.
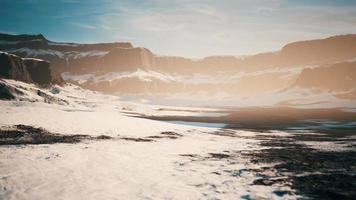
(21, 38)
(137, 139)
(40, 42)
(51, 99)
(171, 133)
(24, 134)
(27, 70)
(189, 155)
(103, 137)
(39, 70)
(166, 134)
(8, 92)
(219, 155)
(13, 67)
(312, 173)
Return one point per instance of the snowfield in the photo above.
(197, 163)
(115, 169)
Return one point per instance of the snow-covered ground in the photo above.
(191, 166)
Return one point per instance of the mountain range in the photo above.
(319, 66)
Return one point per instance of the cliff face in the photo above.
(333, 49)
(13, 67)
(74, 57)
(40, 42)
(312, 52)
(27, 70)
(122, 68)
(124, 59)
(336, 77)
(106, 57)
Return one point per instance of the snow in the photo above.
(111, 169)
(91, 108)
(63, 44)
(293, 97)
(143, 75)
(59, 54)
(118, 168)
(124, 170)
(82, 78)
(78, 55)
(37, 52)
(37, 59)
(195, 79)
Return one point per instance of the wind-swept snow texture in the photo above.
(117, 168)
(144, 159)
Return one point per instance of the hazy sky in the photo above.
(189, 28)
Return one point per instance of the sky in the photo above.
(190, 28)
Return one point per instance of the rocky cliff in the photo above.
(322, 51)
(13, 67)
(88, 58)
(28, 70)
(312, 52)
(74, 57)
(122, 68)
(126, 59)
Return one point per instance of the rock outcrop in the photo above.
(13, 67)
(28, 70)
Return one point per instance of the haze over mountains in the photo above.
(298, 74)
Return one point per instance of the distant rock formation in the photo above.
(87, 58)
(124, 59)
(335, 77)
(74, 57)
(8, 41)
(28, 70)
(312, 52)
(121, 68)
(322, 51)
